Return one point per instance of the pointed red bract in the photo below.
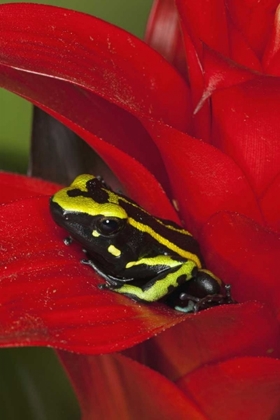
(221, 73)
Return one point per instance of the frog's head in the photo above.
(91, 213)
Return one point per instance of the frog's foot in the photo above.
(111, 281)
(197, 304)
(103, 286)
(189, 308)
(100, 272)
(68, 241)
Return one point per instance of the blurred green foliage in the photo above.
(33, 385)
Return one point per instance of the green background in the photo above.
(32, 383)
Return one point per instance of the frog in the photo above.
(138, 255)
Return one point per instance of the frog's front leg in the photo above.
(161, 285)
(111, 281)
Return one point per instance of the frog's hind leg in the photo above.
(158, 287)
(203, 291)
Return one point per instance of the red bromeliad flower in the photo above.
(208, 139)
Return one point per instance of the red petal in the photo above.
(246, 127)
(270, 205)
(215, 334)
(16, 187)
(254, 19)
(271, 56)
(220, 73)
(212, 73)
(163, 33)
(49, 298)
(245, 255)
(242, 388)
(204, 180)
(202, 22)
(201, 115)
(115, 387)
(109, 74)
(100, 57)
(205, 21)
(241, 51)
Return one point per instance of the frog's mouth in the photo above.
(56, 212)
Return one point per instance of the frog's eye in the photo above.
(109, 225)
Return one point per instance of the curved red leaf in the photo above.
(254, 19)
(113, 386)
(110, 76)
(163, 33)
(245, 255)
(240, 50)
(204, 180)
(94, 55)
(205, 21)
(17, 187)
(212, 335)
(244, 388)
(246, 127)
(49, 298)
(128, 169)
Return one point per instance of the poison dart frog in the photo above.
(138, 255)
